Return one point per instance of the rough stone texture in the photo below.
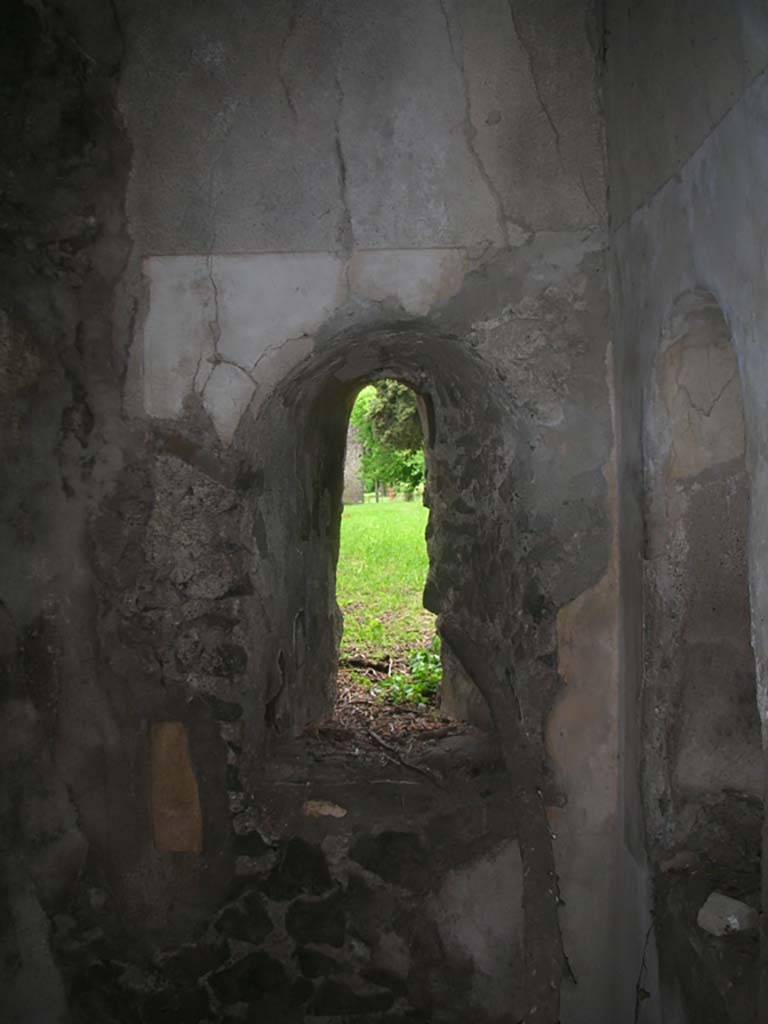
(702, 727)
(219, 221)
(687, 162)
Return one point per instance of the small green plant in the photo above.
(420, 684)
(426, 666)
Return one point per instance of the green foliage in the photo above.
(395, 416)
(379, 581)
(387, 422)
(426, 666)
(421, 682)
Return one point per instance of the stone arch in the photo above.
(292, 449)
(470, 449)
(703, 757)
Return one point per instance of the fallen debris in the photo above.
(722, 915)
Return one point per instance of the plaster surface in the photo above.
(479, 912)
(686, 217)
(241, 213)
(228, 327)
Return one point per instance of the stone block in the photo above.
(254, 977)
(722, 915)
(320, 921)
(246, 920)
(302, 868)
(398, 857)
(340, 996)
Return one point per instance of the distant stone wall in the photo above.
(353, 470)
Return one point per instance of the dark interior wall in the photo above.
(64, 167)
(699, 660)
(356, 179)
(471, 452)
(678, 68)
(685, 108)
(703, 757)
(173, 361)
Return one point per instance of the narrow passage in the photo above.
(389, 664)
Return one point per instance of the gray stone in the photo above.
(341, 996)
(321, 921)
(246, 920)
(723, 915)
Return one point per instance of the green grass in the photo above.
(380, 578)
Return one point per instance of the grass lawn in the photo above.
(380, 578)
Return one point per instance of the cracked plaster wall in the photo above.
(318, 193)
(434, 163)
(687, 165)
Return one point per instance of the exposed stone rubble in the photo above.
(218, 222)
(721, 915)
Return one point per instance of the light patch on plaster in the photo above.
(225, 398)
(582, 742)
(177, 332)
(581, 731)
(702, 394)
(258, 314)
(269, 298)
(416, 278)
(582, 737)
(478, 911)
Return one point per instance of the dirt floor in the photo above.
(363, 713)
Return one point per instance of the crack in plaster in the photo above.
(215, 324)
(274, 348)
(545, 109)
(293, 22)
(223, 361)
(344, 234)
(118, 25)
(705, 411)
(470, 131)
(216, 359)
(593, 208)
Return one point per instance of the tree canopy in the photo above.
(387, 422)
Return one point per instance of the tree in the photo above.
(395, 417)
(387, 422)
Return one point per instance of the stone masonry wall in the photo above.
(686, 162)
(248, 210)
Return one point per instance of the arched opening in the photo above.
(470, 435)
(377, 848)
(703, 758)
(389, 661)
